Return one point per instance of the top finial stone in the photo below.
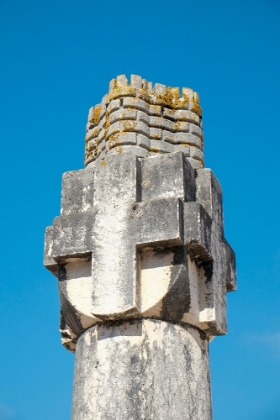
(145, 119)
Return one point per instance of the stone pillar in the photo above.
(142, 263)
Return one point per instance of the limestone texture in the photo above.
(142, 370)
(137, 236)
(141, 260)
(157, 119)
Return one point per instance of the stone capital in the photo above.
(140, 237)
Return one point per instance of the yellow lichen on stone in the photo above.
(165, 99)
(155, 109)
(171, 98)
(114, 136)
(121, 90)
(158, 104)
(113, 139)
(196, 107)
(107, 122)
(113, 143)
(181, 102)
(91, 134)
(186, 98)
(128, 125)
(95, 117)
(154, 149)
(106, 125)
(177, 126)
(144, 84)
(144, 94)
(119, 150)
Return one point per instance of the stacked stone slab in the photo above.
(142, 263)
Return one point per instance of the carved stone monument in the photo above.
(142, 263)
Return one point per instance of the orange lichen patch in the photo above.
(107, 122)
(145, 95)
(186, 98)
(91, 146)
(196, 106)
(103, 162)
(91, 134)
(181, 102)
(175, 94)
(106, 125)
(145, 84)
(155, 109)
(154, 149)
(170, 112)
(171, 98)
(114, 136)
(165, 99)
(113, 143)
(156, 136)
(95, 117)
(119, 150)
(96, 141)
(120, 90)
(129, 125)
(181, 126)
(91, 155)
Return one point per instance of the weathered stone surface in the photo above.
(159, 113)
(114, 251)
(77, 191)
(197, 233)
(137, 224)
(209, 194)
(49, 261)
(142, 263)
(158, 181)
(72, 235)
(142, 370)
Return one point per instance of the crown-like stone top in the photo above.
(145, 119)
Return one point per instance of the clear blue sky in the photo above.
(57, 58)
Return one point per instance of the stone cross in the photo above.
(142, 263)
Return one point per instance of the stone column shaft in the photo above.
(142, 369)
